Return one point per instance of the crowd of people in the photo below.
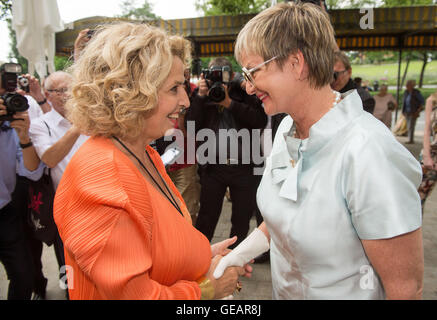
(130, 226)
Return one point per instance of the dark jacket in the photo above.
(276, 121)
(366, 97)
(416, 102)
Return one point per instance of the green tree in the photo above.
(5, 9)
(231, 7)
(6, 14)
(400, 3)
(14, 54)
(131, 11)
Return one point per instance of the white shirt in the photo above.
(34, 110)
(351, 180)
(43, 140)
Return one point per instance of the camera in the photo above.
(13, 101)
(90, 33)
(235, 91)
(217, 76)
(23, 83)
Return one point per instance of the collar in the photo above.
(289, 154)
(54, 116)
(350, 85)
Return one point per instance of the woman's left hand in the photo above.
(221, 248)
(428, 163)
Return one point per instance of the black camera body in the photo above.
(13, 101)
(217, 76)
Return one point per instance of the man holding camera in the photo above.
(56, 140)
(17, 156)
(220, 105)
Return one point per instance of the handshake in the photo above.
(254, 245)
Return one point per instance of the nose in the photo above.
(250, 88)
(183, 99)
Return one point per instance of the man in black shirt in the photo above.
(342, 81)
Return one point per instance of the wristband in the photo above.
(206, 288)
(26, 145)
(42, 102)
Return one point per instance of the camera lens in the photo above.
(217, 92)
(24, 82)
(16, 103)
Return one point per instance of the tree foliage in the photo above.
(131, 11)
(5, 9)
(399, 3)
(231, 7)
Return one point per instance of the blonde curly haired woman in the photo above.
(126, 230)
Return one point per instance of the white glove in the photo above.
(251, 247)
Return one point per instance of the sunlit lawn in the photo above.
(388, 72)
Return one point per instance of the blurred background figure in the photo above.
(429, 151)
(385, 103)
(412, 106)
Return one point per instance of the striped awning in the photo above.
(407, 28)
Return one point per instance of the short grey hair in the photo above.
(287, 28)
(48, 82)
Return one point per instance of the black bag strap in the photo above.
(50, 134)
(48, 128)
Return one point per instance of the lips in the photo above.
(174, 115)
(262, 96)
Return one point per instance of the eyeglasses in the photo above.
(337, 73)
(58, 91)
(248, 73)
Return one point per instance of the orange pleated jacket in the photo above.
(122, 238)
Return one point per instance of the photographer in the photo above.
(18, 156)
(235, 111)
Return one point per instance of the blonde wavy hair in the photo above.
(284, 29)
(117, 77)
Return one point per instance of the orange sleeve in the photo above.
(109, 241)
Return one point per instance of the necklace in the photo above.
(337, 98)
(171, 198)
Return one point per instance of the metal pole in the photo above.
(398, 84)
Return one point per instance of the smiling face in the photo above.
(57, 91)
(273, 85)
(172, 97)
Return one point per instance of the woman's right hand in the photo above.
(227, 284)
(428, 163)
(203, 87)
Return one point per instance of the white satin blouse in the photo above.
(351, 180)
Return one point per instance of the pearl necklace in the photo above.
(337, 98)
